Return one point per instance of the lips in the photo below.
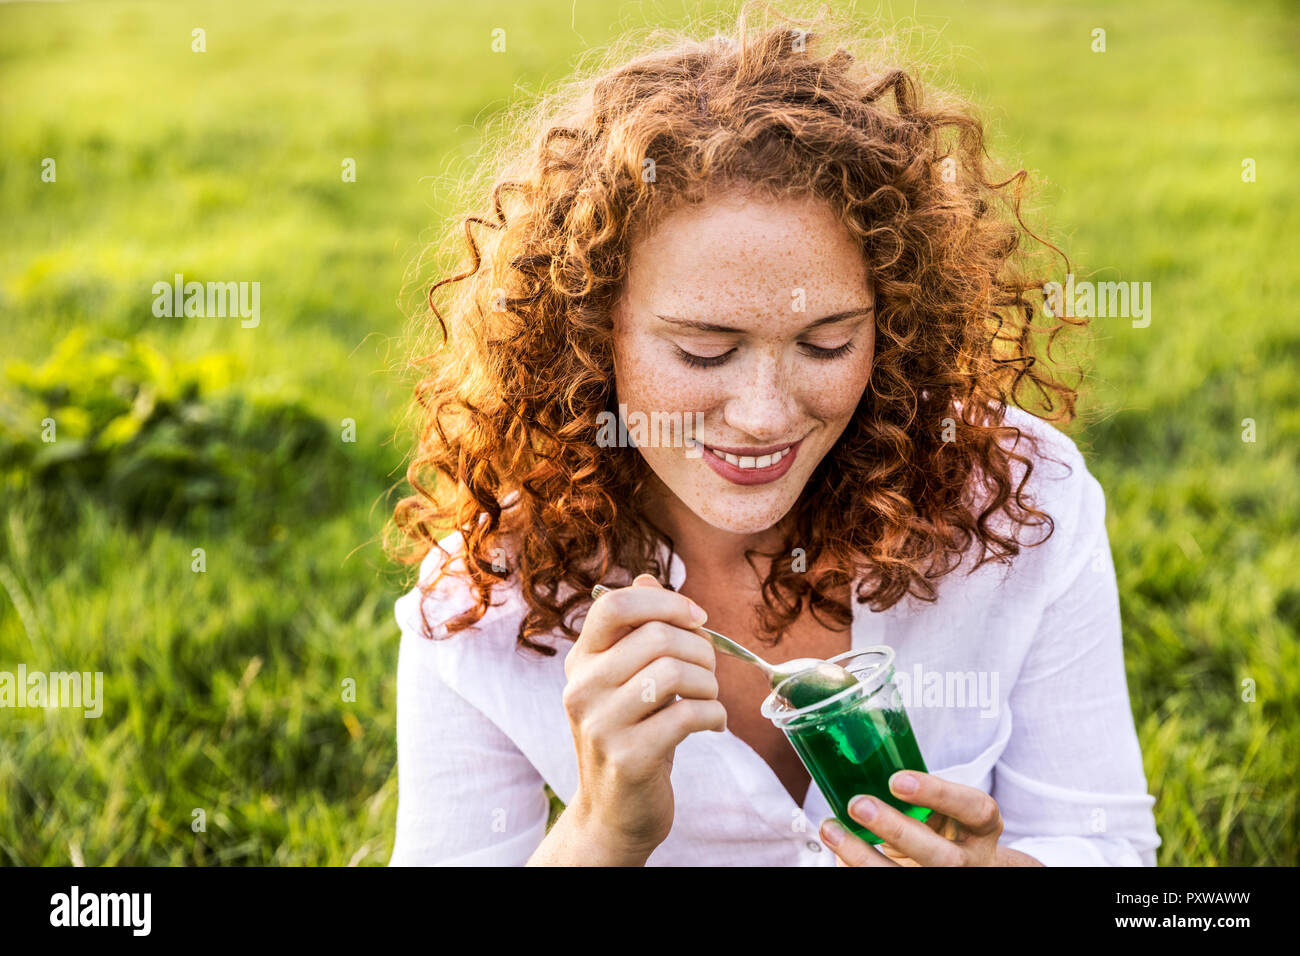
(755, 467)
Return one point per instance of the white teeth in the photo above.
(749, 461)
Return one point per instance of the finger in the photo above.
(646, 580)
(899, 857)
(672, 724)
(644, 644)
(657, 684)
(974, 809)
(910, 836)
(614, 614)
(890, 851)
(851, 850)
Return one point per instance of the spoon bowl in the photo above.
(810, 680)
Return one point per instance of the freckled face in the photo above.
(719, 315)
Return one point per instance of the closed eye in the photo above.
(828, 354)
(702, 361)
(712, 361)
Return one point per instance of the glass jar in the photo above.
(853, 741)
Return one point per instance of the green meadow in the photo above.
(205, 529)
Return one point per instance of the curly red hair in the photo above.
(511, 390)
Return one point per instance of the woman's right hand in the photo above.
(635, 653)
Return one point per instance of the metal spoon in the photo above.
(817, 679)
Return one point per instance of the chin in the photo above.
(739, 517)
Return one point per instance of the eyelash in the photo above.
(702, 361)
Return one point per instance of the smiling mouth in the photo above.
(754, 466)
(751, 460)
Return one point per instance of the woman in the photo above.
(791, 283)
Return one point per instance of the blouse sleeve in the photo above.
(466, 795)
(1070, 783)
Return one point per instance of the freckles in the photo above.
(661, 386)
(840, 394)
(663, 393)
(748, 516)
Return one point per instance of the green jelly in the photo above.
(856, 751)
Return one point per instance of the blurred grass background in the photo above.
(224, 689)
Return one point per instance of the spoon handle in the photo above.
(724, 644)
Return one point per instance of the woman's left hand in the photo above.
(963, 830)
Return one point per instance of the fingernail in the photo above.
(832, 832)
(904, 783)
(863, 808)
(698, 614)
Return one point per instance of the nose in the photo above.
(765, 408)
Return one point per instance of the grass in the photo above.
(226, 691)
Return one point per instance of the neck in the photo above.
(709, 552)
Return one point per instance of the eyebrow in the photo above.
(715, 327)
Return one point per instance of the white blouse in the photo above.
(1013, 681)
